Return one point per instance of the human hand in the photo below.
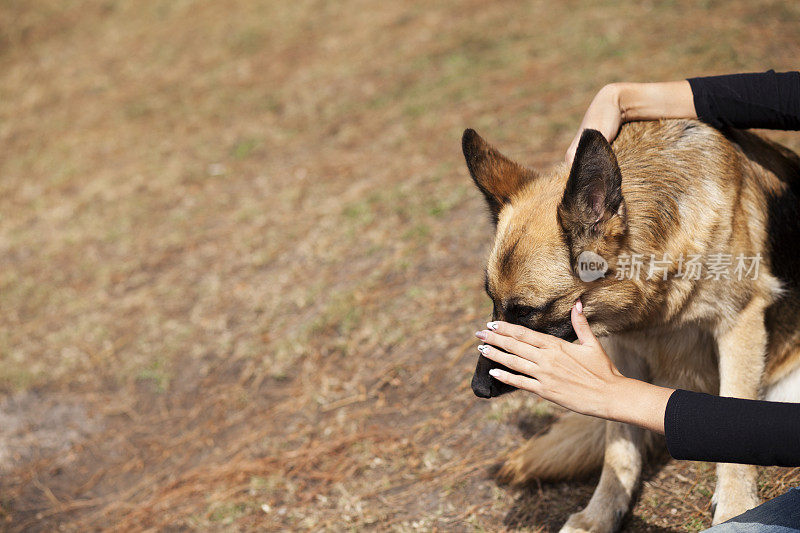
(580, 377)
(575, 376)
(604, 115)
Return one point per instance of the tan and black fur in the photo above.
(675, 187)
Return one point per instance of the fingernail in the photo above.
(579, 306)
(481, 334)
(492, 325)
(494, 372)
(483, 349)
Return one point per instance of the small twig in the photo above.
(47, 492)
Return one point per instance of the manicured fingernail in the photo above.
(494, 372)
(483, 349)
(481, 334)
(579, 306)
(492, 325)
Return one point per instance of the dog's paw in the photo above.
(726, 505)
(594, 522)
(736, 491)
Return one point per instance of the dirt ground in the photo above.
(241, 258)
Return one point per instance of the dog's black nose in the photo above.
(482, 381)
(484, 385)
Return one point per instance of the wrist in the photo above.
(616, 392)
(638, 403)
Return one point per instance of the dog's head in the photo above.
(558, 235)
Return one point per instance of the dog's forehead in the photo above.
(528, 243)
(527, 224)
(528, 236)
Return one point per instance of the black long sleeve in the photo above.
(768, 100)
(702, 427)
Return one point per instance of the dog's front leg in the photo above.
(612, 497)
(742, 349)
(622, 464)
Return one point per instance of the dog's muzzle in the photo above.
(485, 386)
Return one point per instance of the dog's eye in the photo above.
(526, 312)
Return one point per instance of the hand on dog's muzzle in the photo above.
(484, 385)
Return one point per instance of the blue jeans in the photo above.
(781, 515)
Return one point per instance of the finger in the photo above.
(509, 344)
(581, 325)
(514, 362)
(522, 334)
(515, 380)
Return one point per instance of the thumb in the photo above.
(581, 325)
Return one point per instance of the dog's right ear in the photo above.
(592, 211)
(496, 176)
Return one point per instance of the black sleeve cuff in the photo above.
(703, 102)
(702, 427)
(678, 443)
(751, 100)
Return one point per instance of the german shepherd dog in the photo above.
(666, 189)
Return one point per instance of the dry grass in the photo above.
(242, 237)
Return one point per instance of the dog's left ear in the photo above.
(497, 177)
(592, 210)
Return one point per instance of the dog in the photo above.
(680, 193)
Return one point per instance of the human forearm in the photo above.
(653, 101)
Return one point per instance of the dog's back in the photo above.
(748, 204)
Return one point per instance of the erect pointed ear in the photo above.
(496, 176)
(592, 210)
